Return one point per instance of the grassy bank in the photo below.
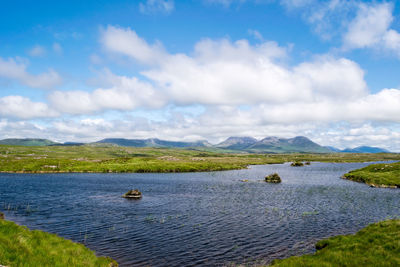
(21, 247)
(376, 245)
(377, 175)
(131, 159)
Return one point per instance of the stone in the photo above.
(133, 194)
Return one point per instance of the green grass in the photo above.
(20, 247)
(42, 159)
(377, 175)
(376, 245)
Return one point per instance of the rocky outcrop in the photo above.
(133, 194)
(297, 164)
(273, 178)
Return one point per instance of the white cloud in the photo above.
(244, 89)
(127, 42)
(328, 19)
(15, 69)
(95, 59)
(369, 27)
(37, 51)
(256, 34)
(207, 126)
(361, 25)
(296, 3)
(57, 48)
(225, 73)
(381, 107)
(229, 73)
(24, 108)
(124, 94)
(155, 6)
(236, 73)
(227, 3)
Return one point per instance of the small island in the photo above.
(297, 164)
(273, 178)
(377, 175)
(133, 194)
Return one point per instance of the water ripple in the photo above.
(198, 219)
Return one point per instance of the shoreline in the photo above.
(370, 184)
(381, 175)
(178, 170)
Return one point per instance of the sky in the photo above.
(81, 71)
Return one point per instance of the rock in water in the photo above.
(1, 216)
(297, 164)
(273, 178)
(134, 194)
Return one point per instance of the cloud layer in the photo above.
(15, 70)
(221, 87)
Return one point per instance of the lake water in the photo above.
(207, 219)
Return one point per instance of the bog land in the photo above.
(89, 158)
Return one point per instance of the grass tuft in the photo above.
(20, 246)
(376, 245)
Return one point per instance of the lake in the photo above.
(207, 219)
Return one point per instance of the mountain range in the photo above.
(271, 144)
(152, 142)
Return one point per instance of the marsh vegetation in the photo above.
(376, 245)
(114, 159)
(377, 175)
(273, 178)
(21, 247)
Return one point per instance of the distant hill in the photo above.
(153, 142)
(271, 144)
(274, 144)
(365, 149)
(27, 142)
(237, 143)
(333, 149)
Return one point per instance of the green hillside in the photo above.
(27, 142)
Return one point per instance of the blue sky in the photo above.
(205, 69)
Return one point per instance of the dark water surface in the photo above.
(207, 219)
